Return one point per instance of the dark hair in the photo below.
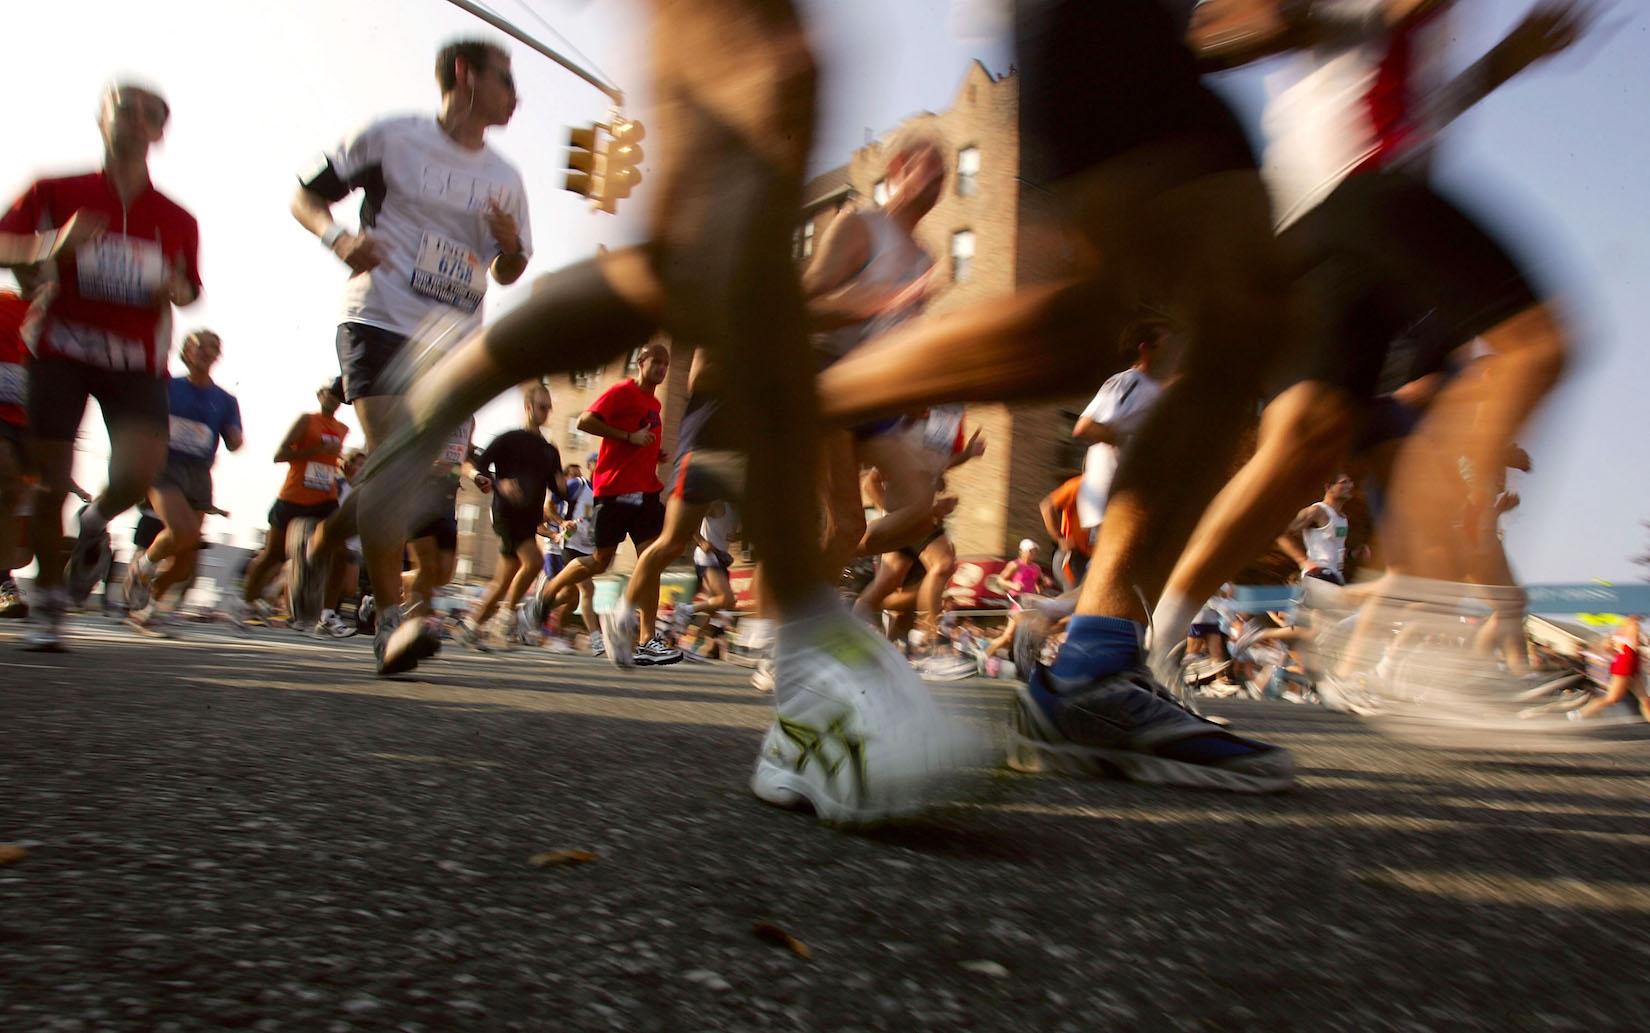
(475, 53)
(1138, 331)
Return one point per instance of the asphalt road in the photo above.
(257, 833)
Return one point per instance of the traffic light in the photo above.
(623, 156)
(584, 163)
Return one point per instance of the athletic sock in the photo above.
(1098, 646)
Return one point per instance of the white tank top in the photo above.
(1326, 545)
(895, 260)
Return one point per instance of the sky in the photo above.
(1554, 161)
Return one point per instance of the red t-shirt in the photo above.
(14, 360)
(102, 314)
(622, 468)
(1626, 661)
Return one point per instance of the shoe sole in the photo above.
(1031, 749)
(617, 655)
(403, 651)
(641, 660)
(776, 785)
(308, 580)
(146, 631)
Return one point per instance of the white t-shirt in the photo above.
(1368, 97)
(583, 536)
(1326, 543)
(1122, 403)
(426, 205)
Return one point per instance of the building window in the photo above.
(879, 193)
(805, 240)
(962, 255)
(578, 442)
(968, 171)
(467, 514)
(634, 362)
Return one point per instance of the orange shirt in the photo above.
(315, 480)
(1064, 499)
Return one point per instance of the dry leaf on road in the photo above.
(10, 852)
(767, 932)
(552, 858)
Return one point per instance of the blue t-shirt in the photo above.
(200, 415)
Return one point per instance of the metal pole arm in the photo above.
(503, 26)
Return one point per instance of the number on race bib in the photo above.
(450, 273)
(125, 270)
(320, 476)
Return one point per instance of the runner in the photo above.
(1158, 178)
(625, 481)
(735, 83)
(579, 542)
(105, 332)
(14, 444)
(311, 450)
(1073, 544)
(519, 469)
(202, 413)
(442, 212)
(344, 576)
(1119, 408)
(1316, 538)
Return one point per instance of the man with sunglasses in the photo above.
(106, 333)
(441, 211)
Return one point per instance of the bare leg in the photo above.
(682, 519)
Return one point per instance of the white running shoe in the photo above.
(598, 645)
(139, 584)
(945, 664)
(332, 626)
(657, 652)
(528, 628)
(762, 677)
(620, 627)
(857, 736)
(46, 625)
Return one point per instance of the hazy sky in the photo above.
(257, 90)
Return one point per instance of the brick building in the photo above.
(987, 239)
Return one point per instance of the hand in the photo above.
(176, 290)
(358, 251)
(82, 226)
(1550, 27)
(502, 225)
(944, 505)
(976, 445)
(215, 511)
(511, 492)
(484, 484)
(640, 437)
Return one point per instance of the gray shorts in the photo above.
(193, 480)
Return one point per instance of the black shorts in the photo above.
(915, 551)
(192, 480)
(1102, 77)
(364, 352)
(147, 530)
(283, 513)
(443, 527)
(641, 522)
(514, 525)
(709, 465)
(18, 435)
(1397, 278)
(59, 387)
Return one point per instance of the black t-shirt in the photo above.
(525, 457)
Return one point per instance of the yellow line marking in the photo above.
(1514, 890)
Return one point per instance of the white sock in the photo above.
(1171, 618)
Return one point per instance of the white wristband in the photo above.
(330, 235)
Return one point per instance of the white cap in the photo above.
(1027, 543)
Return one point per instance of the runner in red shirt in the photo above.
(14, 429)
(626, 474)
(105, 333)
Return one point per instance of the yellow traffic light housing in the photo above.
(585, 165)
(623, 154)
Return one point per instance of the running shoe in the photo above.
(139, 583)
(657, 652)
(11, 600)
(470, 634)
(88, 564)
(332, 626)
(557, 644)
(309, 573)
(856, 736)
(1348, 695)
(401, 642)
(237, 612)
(620, 626)
(946, 664)
(598, 645)
(1126, 725)
(528, 629)
(762, 677)
(45, 632)
(151, 621)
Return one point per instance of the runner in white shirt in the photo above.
(1118, 409)
(441, 211)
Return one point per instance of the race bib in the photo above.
(458, 444)
(192, 437)
(450, 273)
(121, 269)
(319, 476)
(14, 384)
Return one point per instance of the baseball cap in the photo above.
(1027, 543)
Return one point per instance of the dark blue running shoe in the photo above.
(1125, 725)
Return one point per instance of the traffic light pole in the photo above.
(503, 26)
